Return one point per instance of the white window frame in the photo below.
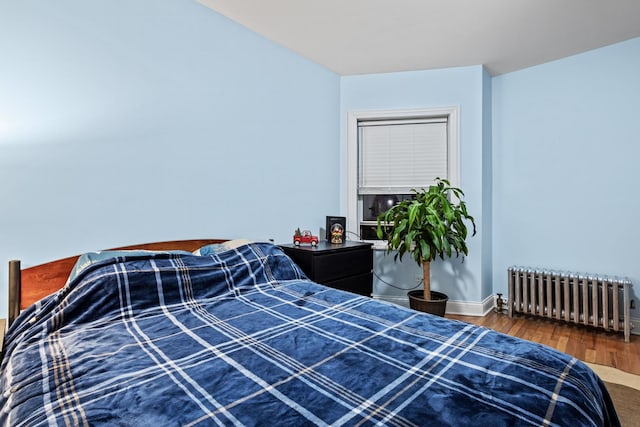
(453, 153)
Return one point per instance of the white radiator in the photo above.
(602, 302)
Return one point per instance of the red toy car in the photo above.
(305, 237)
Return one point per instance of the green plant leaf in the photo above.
(432, 224)
(426, 251)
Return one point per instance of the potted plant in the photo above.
(430, 224)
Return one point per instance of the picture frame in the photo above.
(336, 229)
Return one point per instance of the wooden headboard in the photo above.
(34, 283)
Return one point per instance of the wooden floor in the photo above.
(587, 344)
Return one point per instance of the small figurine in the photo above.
(337, 233)
(305, 236)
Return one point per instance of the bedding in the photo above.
(215, 248)
(241, 337)
(89, 258)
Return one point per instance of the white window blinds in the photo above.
(398, 155)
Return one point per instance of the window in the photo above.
(391, 153)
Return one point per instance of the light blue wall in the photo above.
(465, 88)
(125, 121)
(565, 165)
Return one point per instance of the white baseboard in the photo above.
(464, 308)
(403, 301)
(461, 308)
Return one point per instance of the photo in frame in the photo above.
(336, 228)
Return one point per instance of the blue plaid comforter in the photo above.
(243, 338)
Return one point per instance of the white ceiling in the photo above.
(375, 36)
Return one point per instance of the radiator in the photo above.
(598, 301)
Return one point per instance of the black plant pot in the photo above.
(436, 305)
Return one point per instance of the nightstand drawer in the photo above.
(360, 284)
(336, 265)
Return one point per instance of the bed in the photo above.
(235, 334)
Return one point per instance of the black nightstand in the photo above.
(347, 266)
